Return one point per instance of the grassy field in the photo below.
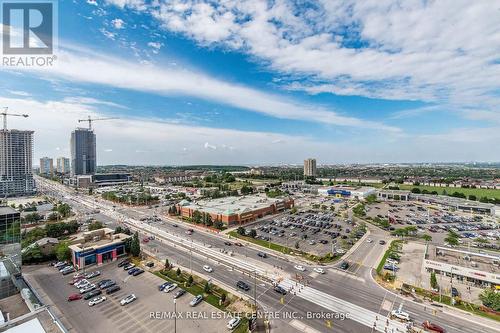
(478, 192)
(376, 185)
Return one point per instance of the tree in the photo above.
(118, 230)
(95, 225)
(33, 254)
(178, 271)
(190, 280)
(451, 240)
(472, 197)
(197, 217)
(253, 233)
(434, 283)
(208, 220)
(135, 245)
(241, 231)
(223, 298)
(427, 238)
(297, 245)
(415, 190)
(490, 299)
(245, 189)
(167, 264)
(62, 251)
(206, 288)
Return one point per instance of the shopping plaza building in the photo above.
(97, 247)
(475, 268)
(237, 210)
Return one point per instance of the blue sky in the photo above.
(268, 82)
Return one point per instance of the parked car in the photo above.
(150, 264)
(163, 286)
(242, 285)
(233, 323)
(93, 274)
(107, 284)
(74, 297)
(87, 288)
(112, 289)
(454, 292)
(137, 272)
(123, 263)
(91, 294)
(208, 269)
(195, 301)
(128, 266)
(129, 299)
(100, 283)
(381, 242)
(132, 270)
(170, 287)
(433, 327)
(97, 300)
(179, 293)
(82, 283)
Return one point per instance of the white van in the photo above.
(233, 323)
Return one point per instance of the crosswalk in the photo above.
(355, 312)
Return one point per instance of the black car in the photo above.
(242, 285)
(137, 272)
(107, 284)
(381, 242)
(92, 294)
(228, 243)
(123, 263)
(179, 293)
(112, 289)
(262, 254)
(454, 292)
(280, 290)
(344, 265)
(132, 270)
(150, 264)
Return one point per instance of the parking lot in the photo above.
(109, 316)
(316, 232)
(436, 221)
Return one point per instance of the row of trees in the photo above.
(141, 198)
(206, 219)
(457, 194)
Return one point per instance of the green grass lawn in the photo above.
(478, 192)
(376, 185)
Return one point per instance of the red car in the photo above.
(74, 297)
(433, 327)
(238, 244)
(145, 240)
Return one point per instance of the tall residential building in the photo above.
(46, 166)
(62, 165)
(16, 163)
(310, 167)
(83, 152)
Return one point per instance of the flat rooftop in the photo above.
(464, 258)
(4, 210)
(234, 205)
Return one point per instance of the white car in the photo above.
(299, 268)
(97, 300)
(319, 270)
(369, 240)
(208, 269)
(170, 287)
(128, 299)
(82, 283)
(87, 288)
(400, 315)
(233, 323)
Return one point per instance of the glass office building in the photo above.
(10, 251)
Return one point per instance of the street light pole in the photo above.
(175, 315)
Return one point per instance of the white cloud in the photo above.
(92, 2)
(108, 34)
(133, 4)
(414, 50)
(118, 23)
(82, 66)
(152, 141)
(19, 93)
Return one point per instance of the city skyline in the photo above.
(323, 81)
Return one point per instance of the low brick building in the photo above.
(237, 210)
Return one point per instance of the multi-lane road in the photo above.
(309, 306)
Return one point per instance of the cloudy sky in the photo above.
(267, 82)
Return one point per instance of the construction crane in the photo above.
(5, 114)
(90, 120)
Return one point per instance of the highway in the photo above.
(353, 292)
